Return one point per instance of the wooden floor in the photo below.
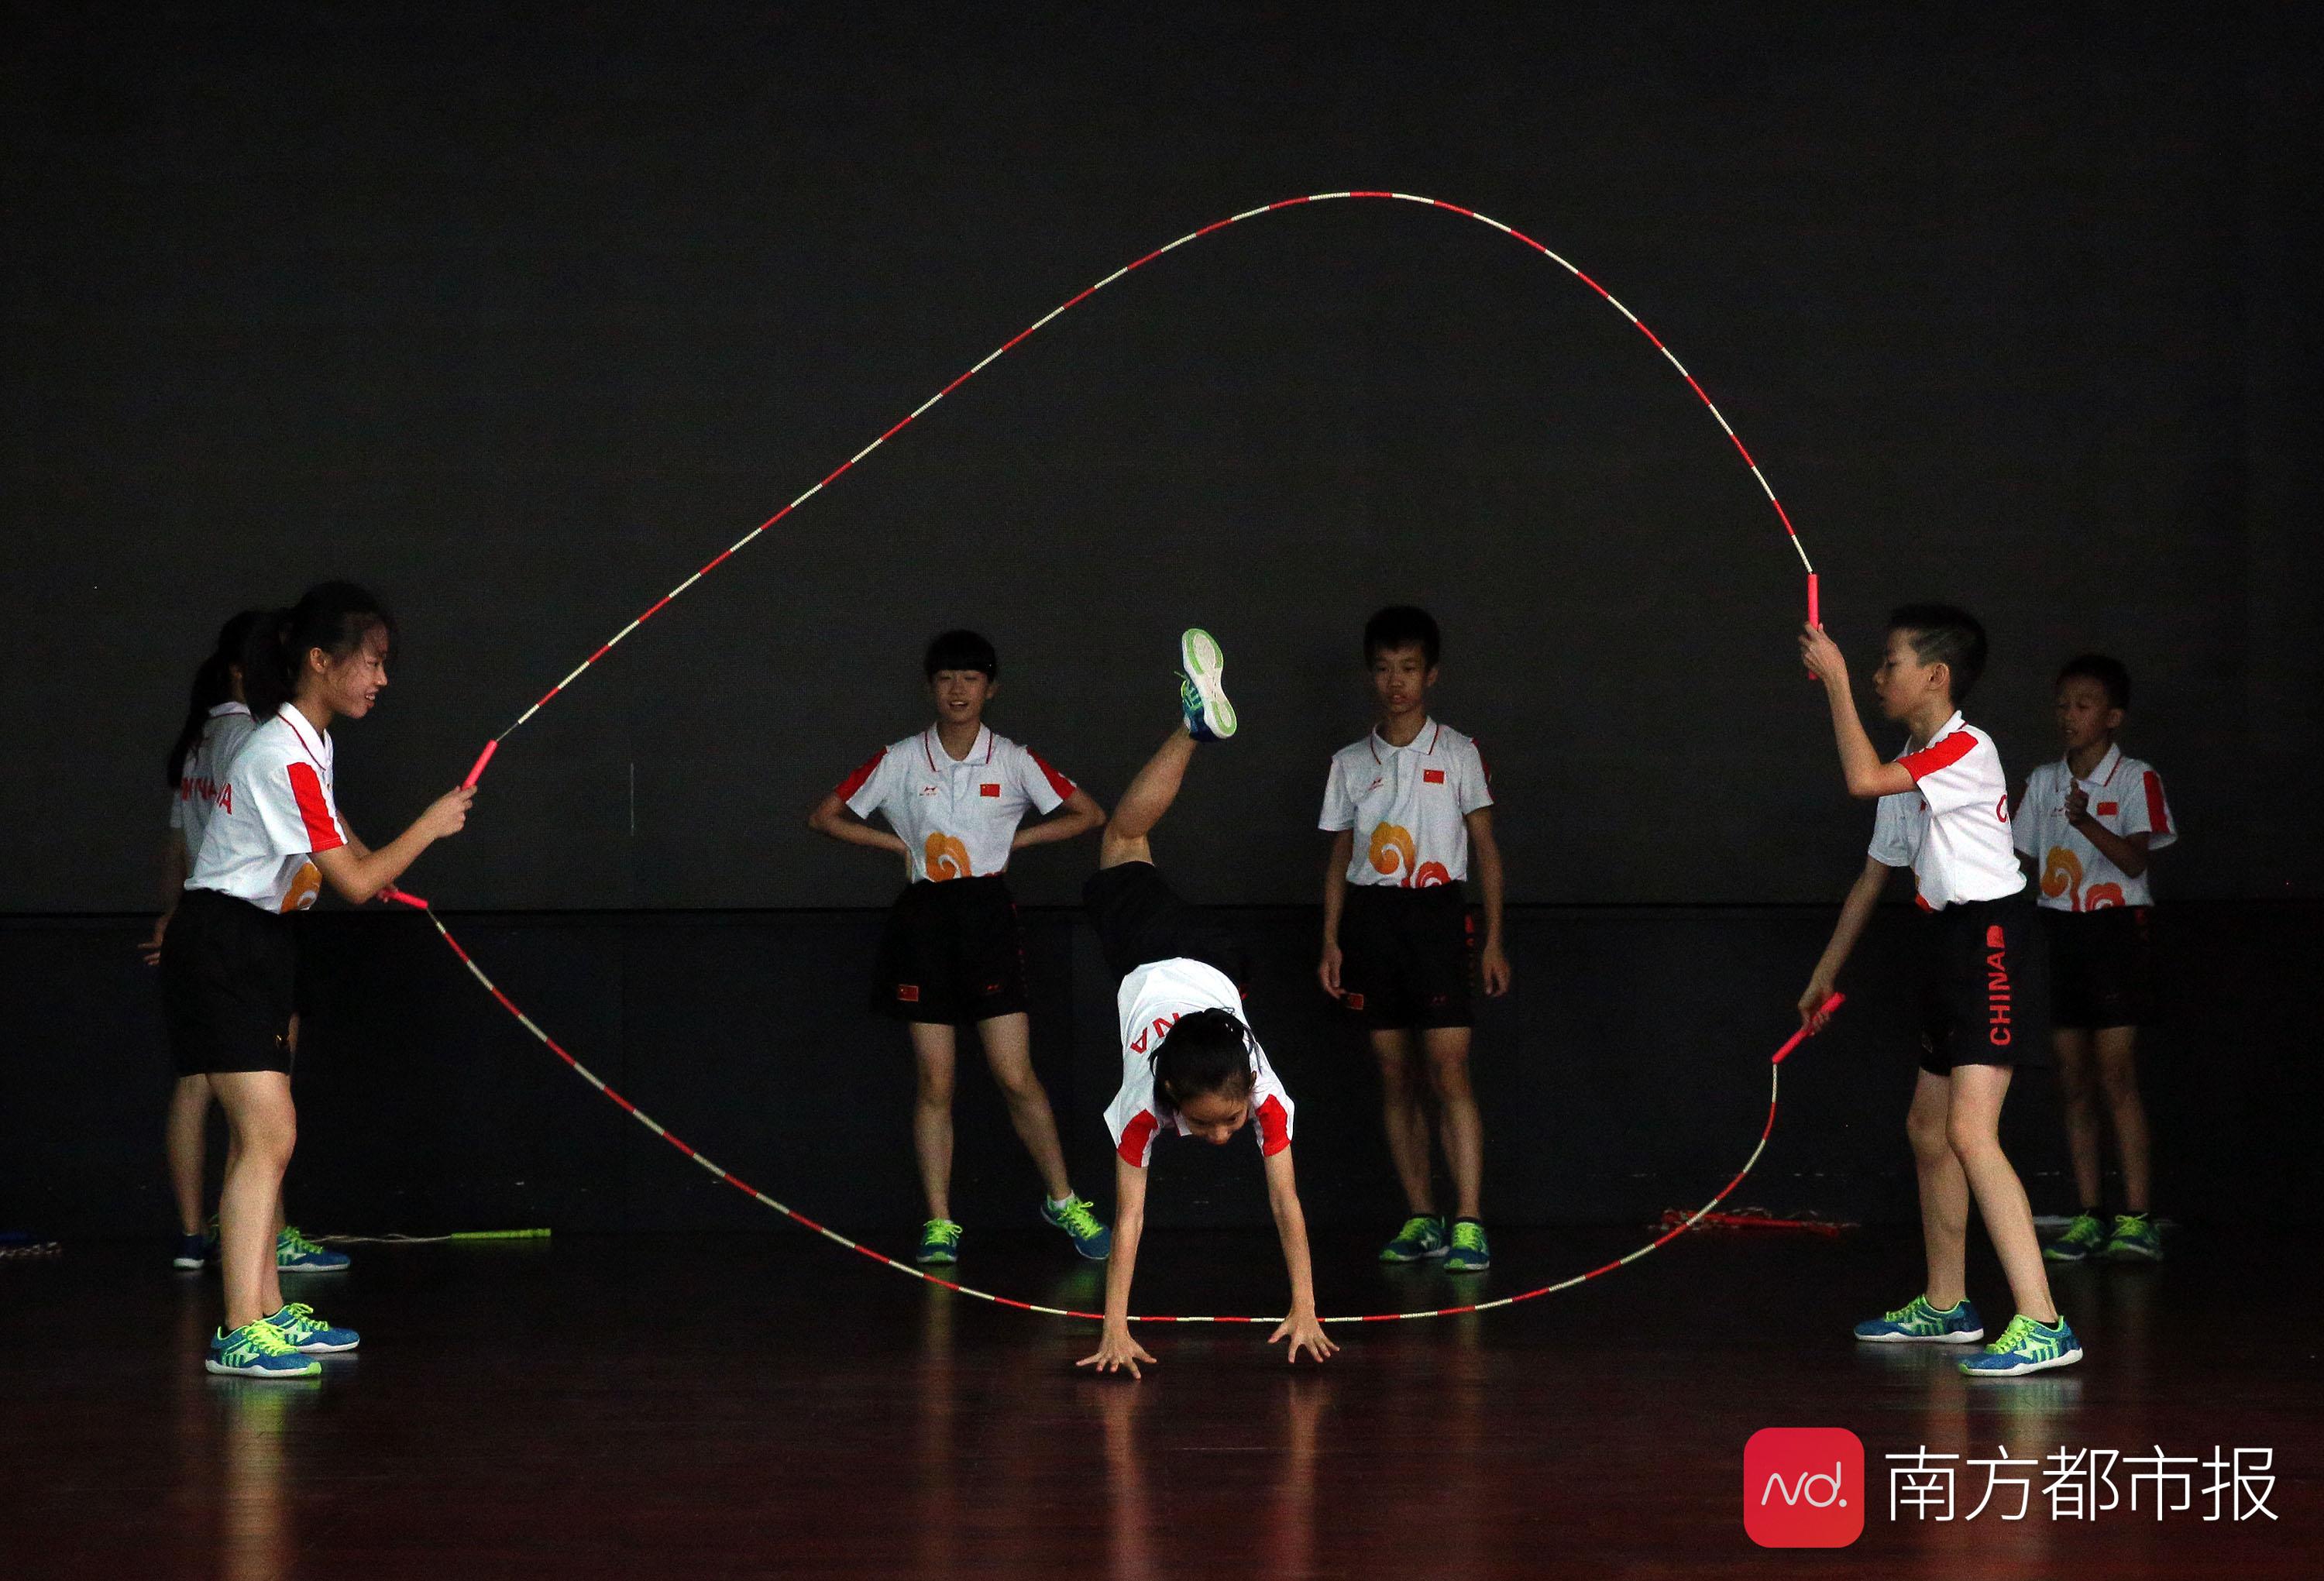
(765, 1405)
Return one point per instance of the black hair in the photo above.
(1204, 1052)
(2109, 673)
(333, 616)
(1948, 635)
(1402, 625)
(962, 650)
(213, 684)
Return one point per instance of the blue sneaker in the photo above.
(295, 1254)
(2134, 1240)
(311, 1335)
(1420, 1238)
(1918, 1323)
(939, 1243)
(1079, 1221)
(257, 1350)
(2079, 1243)
(1469, 1252)
(1210, 717)
(2026, 1346)
(193, 1254)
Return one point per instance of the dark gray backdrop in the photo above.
(520, 313)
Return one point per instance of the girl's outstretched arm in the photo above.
(1115, 1347)
(1300, 1327)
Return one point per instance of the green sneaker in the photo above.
(939, 1243)
(1916, 1322)
(2134, 1240)
(1078, 1218)
(295, 1254)
(2026, 1346)
(1469, 1254)
(309, 1335)
(257, 1350)
(1420, 1238)
(2080, 1242)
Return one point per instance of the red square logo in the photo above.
(1355, 1001)
(1432, 776)
(1803, 1488)
(909, 993)
(2109, 809)
(988, 790)
(1995, 938)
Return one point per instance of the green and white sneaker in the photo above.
(1078, 1218)
(311, 1335)
(1420, 1238)
(295, 1254)
(939, 1244)
(2134, 1240)
(1469, 1252)
(2026, 1346)
(257, 1350)
(1918, 1323)
(2079, 1243)
(1210, 717)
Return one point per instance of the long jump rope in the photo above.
(1775, 1063)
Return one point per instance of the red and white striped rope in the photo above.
(1001, 350)
(1790, 534)
(728, 1177)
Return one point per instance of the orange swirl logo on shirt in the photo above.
(2062, 874)
(306, 886)
(2099, 897)
(947, 857)
(1394, 848)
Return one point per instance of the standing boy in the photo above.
(1403, 805)
(953, 796)
(2090, 820)
(1944, 813)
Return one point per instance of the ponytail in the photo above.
(213, 684)
(333, 616)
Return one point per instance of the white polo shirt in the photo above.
(203, 776)
(2126, 796)
(1151, 1000)
(1406, 806)
(275, 810)
(957, 819)
(1952, 827)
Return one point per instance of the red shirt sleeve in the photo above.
(846, 788)
(1944, 754)
(314, 809)
(1274, 1127)
(1138, 1138)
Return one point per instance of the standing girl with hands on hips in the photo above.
(228, 966)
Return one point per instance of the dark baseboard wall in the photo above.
(1626, 1073)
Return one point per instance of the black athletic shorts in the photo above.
(2101, 967)
(1140, 919)
(950, 953)
(1985, 986)
(229, 976)
(1405, 956)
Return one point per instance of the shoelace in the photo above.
(294, 1238)
(1469, 1238)
(1916, 1308)
(1080, 1217)
(266, 1340)
(1416, 1229)
(2014, 1337)
(941, 1229)
(2130, 1224)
